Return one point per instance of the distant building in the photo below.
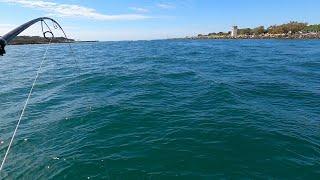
(234, 31)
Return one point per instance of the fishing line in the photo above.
(73, 54)
(25, 105)
(56, 26)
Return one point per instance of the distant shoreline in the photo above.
(291, 30)
(62, 41)
(305, 36)
(27, 40)
(21, 40)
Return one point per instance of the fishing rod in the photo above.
(7, 38)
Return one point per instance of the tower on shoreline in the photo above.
(234, 31)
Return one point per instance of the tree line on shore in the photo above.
(292, 27)
(38, 40)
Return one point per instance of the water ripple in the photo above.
(164, 109)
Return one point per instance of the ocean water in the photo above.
(163, 110)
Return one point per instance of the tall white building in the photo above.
(234, 31)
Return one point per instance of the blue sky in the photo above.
(154, 19)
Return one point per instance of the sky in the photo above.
(112, 20)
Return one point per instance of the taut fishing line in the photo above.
(56, 26)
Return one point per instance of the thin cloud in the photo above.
(166, 6)
(4, 28)
(6, 25)
(140, 10)
(71, 10)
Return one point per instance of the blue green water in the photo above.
(163, 110)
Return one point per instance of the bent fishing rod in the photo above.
(7, 38)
